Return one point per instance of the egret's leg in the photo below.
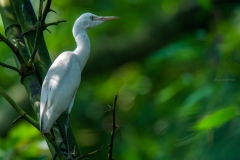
(67, 126)
(68, 146)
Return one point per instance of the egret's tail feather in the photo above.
(47, 122)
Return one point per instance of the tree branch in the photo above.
(9, 67)
(110, 155)
(21, 113)
(53, 23)
(25, 116)
(27, 19)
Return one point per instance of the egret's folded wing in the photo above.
(43, 100)
(60, 85)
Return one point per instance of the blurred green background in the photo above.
(175, 65)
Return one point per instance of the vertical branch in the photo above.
(13, 32)
(28, 20)
(14, 39)
(110, 155)
(18, 16)
(30, 79)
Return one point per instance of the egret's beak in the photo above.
(107, 18)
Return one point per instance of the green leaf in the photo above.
(217, 118)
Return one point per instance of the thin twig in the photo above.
(21, 113)
(51, 10)
(53, 23)
(9, 67)
(110, 155)
(13, 48)
(18, 118)
(89, 154)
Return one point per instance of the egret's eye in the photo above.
(92, 18)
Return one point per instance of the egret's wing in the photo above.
(43, 100)
(59, 89)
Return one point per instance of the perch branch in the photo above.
(110, 155)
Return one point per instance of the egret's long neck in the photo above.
(83, 47)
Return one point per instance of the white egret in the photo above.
(64, 76)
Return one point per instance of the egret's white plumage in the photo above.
(64, 76)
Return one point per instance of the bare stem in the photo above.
(110, 155)
(9, 67)
(21, 113)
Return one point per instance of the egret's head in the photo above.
(89, 20)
